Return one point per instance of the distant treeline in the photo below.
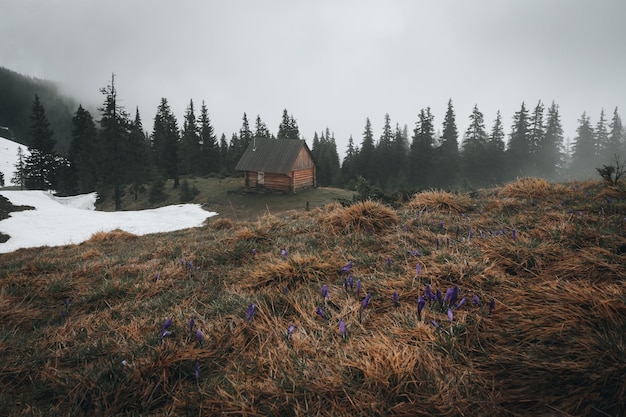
(118, 153)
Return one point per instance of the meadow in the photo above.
(508, 301)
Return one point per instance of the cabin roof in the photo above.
(271, 155)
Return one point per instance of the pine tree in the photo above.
(113, 138)
(365, 161)
(139, 155)
(348, 166)
(40, 165)
(260, 129)
(583, 158)
(448, 152)
(384, 153)
(549, 150)
(224, 155)
(518, 153)
(19, 177)
(288, 128)
(495, 150)
(473, 157)
(165, 142)
(327, 160)
(83, 151)
(602, 140)
(211, 157)
(190, 149)
(535, 136)
(615, 145)
(421, 162)
(399, 157)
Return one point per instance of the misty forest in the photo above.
(73, 150)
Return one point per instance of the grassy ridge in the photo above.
(82, 328)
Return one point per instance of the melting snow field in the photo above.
(60, 221)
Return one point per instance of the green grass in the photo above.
(231, 199)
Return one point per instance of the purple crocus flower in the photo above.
(492, 305)
(290, 330)
(358, 287)
(396, 299)
(462, 302)
(439, 298)
(165, 334)
(452, 295)
(320, 312)
(342, 328)
(441, 225)
(191, 324)
(366, 301)
(67, 303)
(420, 306)
(156, 277)
(197, 370)
(389, 262)
(471, 233)
(476, 300)
(199, 336)
(514, 234)
(418, 269)
(284, 253)
(251, 311)
(345, 284)
(351, 281)
(166, 324)
(450, 316)
(347, 267)
(254, 252)
(434, 323)
(414, 252)
(428, 293)
(325, 291)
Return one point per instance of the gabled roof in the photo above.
(271, 155)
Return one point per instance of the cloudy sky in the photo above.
(330, 63)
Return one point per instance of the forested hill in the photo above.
(17, 94)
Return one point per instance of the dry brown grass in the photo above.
(116, 235)
(554, 345)
(441, 201)
(530, 188)
(367, 216)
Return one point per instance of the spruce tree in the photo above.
(495, 150)
(518, 153)
(421, 162)
(40, 165)
(224, 155)
(139, 155)
(615, 145)
(535, 137)
(348, 166)
(549, 150)
(384, 153)
(288, 128)
(190, 150)
(114, 131)
(365, 161)
(260, 129)
(448, 152)
(211, 158)
(399, 157)
(473, 157)
(584, 160)
(19, 177)
(602, 140)
(83, 151)
(166, 142)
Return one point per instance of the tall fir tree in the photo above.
(224, 155)
(210, 158)
(113, 138)
(584, 158)
(365, 161)
(495, 151)
(166, 142)
(190, 148)
(518, 154)
(348, 165)
(602, 140)
(139, 155)
(260, 129)
(421, 162)
(326, 159)
(19, 177)
(288, 128)
(40, 165)
(448, 152)
(83, 151)
(384, 153)
(399, 158)
(548, 158)
(615, 145)
(473, 157)
(535, 136)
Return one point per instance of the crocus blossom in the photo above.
(418, 269)
(450, 315)
(492, 305)
(199, 336)
(420, 306)
(166, 324)
(251, 311)
(320, 312)
(284, 253)
(290, 330)
(428, 293)
(342, 328)
(366, 301)
(439, 298)
(325, 291)
(191, 324)
(462, 302)
(476, 300)
(197, 370)
(396, 299)
(347, 267)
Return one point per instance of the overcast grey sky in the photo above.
(330, 63)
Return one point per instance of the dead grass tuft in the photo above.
(367, 216)
(529, 188)
(221, 223)
(441, 201)
(116, 235)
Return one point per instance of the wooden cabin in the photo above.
(278, 164)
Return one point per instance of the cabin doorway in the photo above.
(260, 178)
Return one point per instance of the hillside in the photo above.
(530, 320)
(17, 94)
